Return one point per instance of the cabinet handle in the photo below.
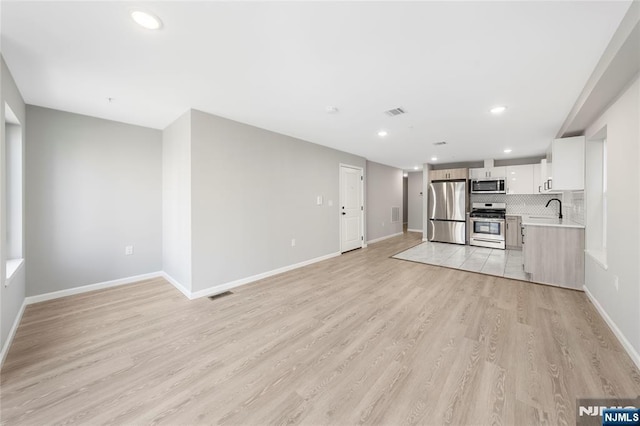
(549, 181)
(539, 188)
(545, 185)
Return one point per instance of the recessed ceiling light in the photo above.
(406, 175)
(434, 158)
(146, 20)
(331, 109)
(508, 150)
(415, 168)
(498, 109)
(382, 133)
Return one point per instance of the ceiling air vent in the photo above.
(395, 111)
(440, 143)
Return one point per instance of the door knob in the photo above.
(344, 213)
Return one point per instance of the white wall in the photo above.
(93, 187)
(13, 295)
(176, 200)
(621, 304)
(253, 191)
(384, 190)
(414, 201)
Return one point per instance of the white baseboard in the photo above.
(221, 288)
(12, 333)
(177, 285)
(91, 287)
(384, 238)
(424, 240)
(635, 357)
(414, 230)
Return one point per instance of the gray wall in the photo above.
(252, 192)
(176, 200)
(414, 199)
(12, 296)
(622, 121)
(93, 187)
(384, 190)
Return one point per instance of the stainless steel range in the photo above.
(487, 225)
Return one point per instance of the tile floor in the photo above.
(503, 263)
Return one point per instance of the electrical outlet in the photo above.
(128, 250)
(293, 242)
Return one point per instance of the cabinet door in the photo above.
(555, 255)
(526, 256)
(537, 179)
(520, 179)
(458, 173)
(512, 233)
(497, 172)
(545, 176)
(477, 173)
(436, 175)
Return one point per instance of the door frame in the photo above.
(363, 242)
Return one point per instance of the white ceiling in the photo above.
(277, 65)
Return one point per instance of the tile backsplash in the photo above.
(573, 206)
(534, 204)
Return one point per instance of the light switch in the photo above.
(330, 203)
(319, 200)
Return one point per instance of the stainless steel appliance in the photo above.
(488, 186)
(487, 223)
(447, 211)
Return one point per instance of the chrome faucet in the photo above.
(558, 200)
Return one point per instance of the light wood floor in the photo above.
(361, 338)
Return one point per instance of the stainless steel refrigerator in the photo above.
(448, 212)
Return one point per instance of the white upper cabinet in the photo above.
(537, 178)
(564, 165)
(488, 172)
(519, 179)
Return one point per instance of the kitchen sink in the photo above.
(543, 220)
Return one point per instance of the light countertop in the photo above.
(550, 221)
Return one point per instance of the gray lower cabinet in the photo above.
(554, 255)
(513, 235)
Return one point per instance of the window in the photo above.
(14, 191)
(596, 197)
(604, 196)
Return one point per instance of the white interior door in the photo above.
(351, 208)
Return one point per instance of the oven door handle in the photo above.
(495, 240)
(487, 220)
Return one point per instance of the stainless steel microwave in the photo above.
(488, 186)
